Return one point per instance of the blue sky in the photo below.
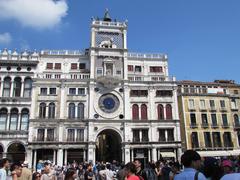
(201, 38)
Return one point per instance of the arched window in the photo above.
(135, 112)
(17, 87)
(168, 111)
(27, 87)
(24, 119)
(160, 111)
(80, 111)
(7, 87)
(42, 110)
(236, 120)
(3, 118)
(51, 111)
(71, 110)
(144, 115)
(13, 119)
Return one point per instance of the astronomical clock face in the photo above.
(108, 103)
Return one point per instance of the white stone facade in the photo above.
(101, 104)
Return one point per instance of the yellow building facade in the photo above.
(209, 117)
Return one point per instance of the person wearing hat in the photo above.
(39, 166)
(227, 166)
(228, 171)
(192, 163)
(26, 173)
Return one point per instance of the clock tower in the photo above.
(108, 64)
(108, 47)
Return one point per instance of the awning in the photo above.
(168, 154)
(215, 153)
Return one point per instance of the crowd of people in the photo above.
(192, 167)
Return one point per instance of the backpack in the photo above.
(196, 175)
(149, 174)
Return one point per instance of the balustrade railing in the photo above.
(150, 78)
(111, 24)
(62, 52)
(147, 56)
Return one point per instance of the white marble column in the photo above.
(179, 154)
(19, 121)
(47, 110)
(91, 101)
(8, 119)
(76, 110)
(34, 159)
(84, 155)
(127, 155)
(28, 157)
(166, 135)
(62, 102)
(12, 87)
(151, 106)
(1, 88)
(175, 105)
(54, 156)
(91, 153)
(61, 133)
(45, 134)
(22, 88)
(65, 157)
(164, 112)
(127, 104)
(149, 154)
(125, 39)
(92, 64)
(132, 155)
(75, 135)
(154, 154)
(60, 157)
(140, 135)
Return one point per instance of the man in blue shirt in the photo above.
(192, 162)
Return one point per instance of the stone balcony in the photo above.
(157, 78)
(62, 52)
(147, 56)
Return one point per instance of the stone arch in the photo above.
(16, 151)
(109, 128)
(108, 145)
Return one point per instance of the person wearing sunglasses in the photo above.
(36, 176)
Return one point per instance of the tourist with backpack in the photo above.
(192, 163)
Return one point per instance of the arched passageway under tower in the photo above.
(108, 146)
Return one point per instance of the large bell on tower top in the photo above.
(107, 16)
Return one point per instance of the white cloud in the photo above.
(40, 14)
(5, 38)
